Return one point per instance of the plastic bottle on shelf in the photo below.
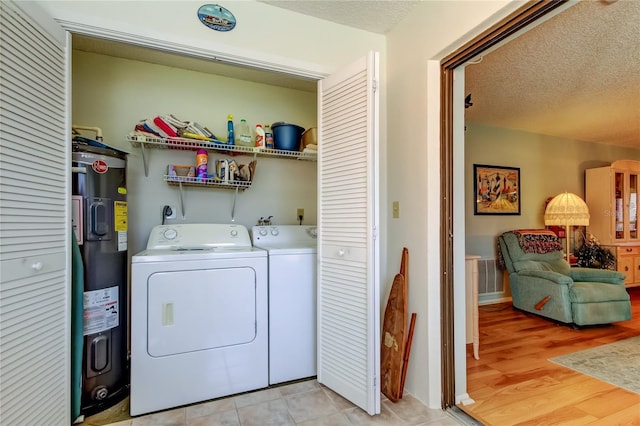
(230, 132)
(260, 134)
(202, 159)
(244, 134)
(268, 136)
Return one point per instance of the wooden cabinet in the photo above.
(611, 194)
(627, 262)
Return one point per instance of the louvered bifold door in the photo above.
(34, 231)
(348, 276)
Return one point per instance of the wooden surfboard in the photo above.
(404, 264)
(394, 337)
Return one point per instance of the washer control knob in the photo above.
(263, 231)
(234, 233)
(170, 234)
(275, 232)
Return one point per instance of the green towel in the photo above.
(77, 326)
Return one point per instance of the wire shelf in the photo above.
(194, 144)
(208, 182)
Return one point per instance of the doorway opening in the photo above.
(507, 27)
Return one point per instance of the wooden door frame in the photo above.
(507, 27)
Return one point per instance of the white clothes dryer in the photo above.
(292, 299)
(198, 316)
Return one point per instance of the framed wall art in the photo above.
(496, 190)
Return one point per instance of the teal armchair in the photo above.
(543, 283)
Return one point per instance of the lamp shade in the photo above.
(567, 209)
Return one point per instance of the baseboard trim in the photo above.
(491, 301)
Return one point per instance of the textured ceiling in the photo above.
(574, 76)
(370, 15)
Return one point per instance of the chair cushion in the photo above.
(597, 275)
(592, 292)
(529, 265)
(545, 263)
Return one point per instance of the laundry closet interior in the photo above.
(116, 85)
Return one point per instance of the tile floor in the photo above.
(305, 403)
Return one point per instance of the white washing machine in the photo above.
(198, 316)
(292, 299)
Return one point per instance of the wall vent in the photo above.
(491, 285)
(489, 276)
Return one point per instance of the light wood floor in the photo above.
(513, 383)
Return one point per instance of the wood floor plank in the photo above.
(570, 416)
(514, 383)
(616, 400)
(630, 416)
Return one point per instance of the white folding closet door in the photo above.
(34, 231)
(348, 254)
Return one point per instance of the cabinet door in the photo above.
(636, 271)
(631, 203)
(625, 184)
(36, 235)
(625, 265)
(348, 254)
(620, 212)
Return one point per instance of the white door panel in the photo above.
(35, 234)
(348, 254)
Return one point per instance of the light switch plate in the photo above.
(396, 209)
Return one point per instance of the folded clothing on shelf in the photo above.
(310, 148)
(169, 126)
(166, 127)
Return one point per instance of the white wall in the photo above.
(436, 28)
(264, 34)
(548, 166)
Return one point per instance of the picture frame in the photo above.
(496, 190)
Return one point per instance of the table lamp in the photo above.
(567, 209)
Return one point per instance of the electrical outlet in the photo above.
(169, 212)
(300, 215)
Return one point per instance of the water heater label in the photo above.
(122, 240)
(120, 216)
(100, 310)
(120, 223)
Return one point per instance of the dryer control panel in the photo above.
(198, 236)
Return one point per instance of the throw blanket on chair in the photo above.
(538, 241)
